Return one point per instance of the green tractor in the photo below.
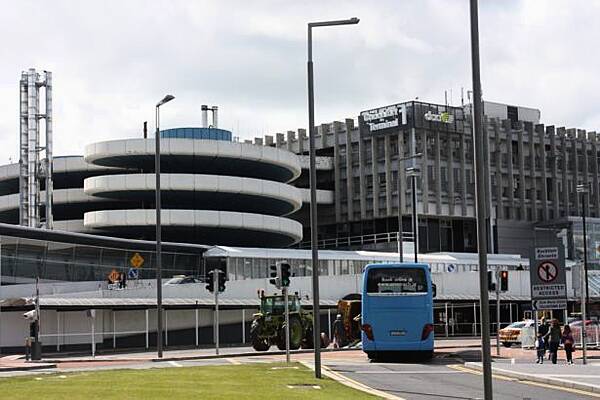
(268, 325)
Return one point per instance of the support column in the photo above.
(114, 329)
(57, 331)
(196, 325)
(539, 129)
(437, 170)
(349, 170)
(147, 334)
(243, 325)
(329, 322)
(388, 177)
(375, 173)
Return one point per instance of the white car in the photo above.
(512, 333)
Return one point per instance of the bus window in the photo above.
(396, 280)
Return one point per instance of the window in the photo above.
(382, 181)
(396, 280)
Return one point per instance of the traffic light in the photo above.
(222, 279)
(285, 274)
(275, 275)
(210, 282)
(504, 281)
(491, 284)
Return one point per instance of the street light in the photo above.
(584, 190)
(159, 346)
(313, 190)
(480, 198)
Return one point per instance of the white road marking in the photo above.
(387, 372)
(175, 364)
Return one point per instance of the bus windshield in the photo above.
(396, 281)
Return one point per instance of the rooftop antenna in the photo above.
(446, 97)
(462, 96)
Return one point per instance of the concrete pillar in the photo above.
(337, 180)
(349, 172)
(362, 179)
(424, 172)
(375, 173)
(388, 177)
(539, 129)
(521, 164)
(554, 172)
(561, 132)
(450, 166)
(437, 170)
(506, 124)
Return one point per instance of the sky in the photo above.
(113, 60)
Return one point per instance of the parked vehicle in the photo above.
(182, 280)
(512, 334)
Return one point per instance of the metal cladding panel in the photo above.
(206, 181)
(251, 152)
(178, 217)
(207, 218)
(227, 185)
(133, 181)
(207, 148)
(179, 147)
(230, 219)
(252, 221)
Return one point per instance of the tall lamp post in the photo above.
(478, 138)
(313, 190)
(159, 344)
(584, 190)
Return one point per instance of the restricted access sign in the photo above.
(548, 278)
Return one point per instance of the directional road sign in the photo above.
(136, 260)
(548, 304)
(133, 273)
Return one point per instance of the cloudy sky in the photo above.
(113, 60)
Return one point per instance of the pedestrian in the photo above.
(543, 329)
(540, 345)
(553, 337)
(339, 332)
(568, 343)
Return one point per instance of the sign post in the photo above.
(548, 278)
(216, 280)
(287, 325)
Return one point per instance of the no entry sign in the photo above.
(548, 278)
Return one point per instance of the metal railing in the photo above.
(385, 237)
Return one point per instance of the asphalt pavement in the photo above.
(444, 379)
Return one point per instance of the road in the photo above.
(442, 378)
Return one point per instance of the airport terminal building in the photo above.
(219, 191)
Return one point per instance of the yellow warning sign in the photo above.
(136, 260)
(114, 276)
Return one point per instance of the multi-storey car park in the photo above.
(214, 190)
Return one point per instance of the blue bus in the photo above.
(397, 310)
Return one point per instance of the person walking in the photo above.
(540, 345)
(568, 343)
(339, 332)
(553, 338)
(543, 330)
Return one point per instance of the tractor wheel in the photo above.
(258, 343)
(295, 335)
(308, 340)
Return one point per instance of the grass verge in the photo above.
(249, 381)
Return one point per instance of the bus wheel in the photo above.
(507, 344)
(371, 355)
